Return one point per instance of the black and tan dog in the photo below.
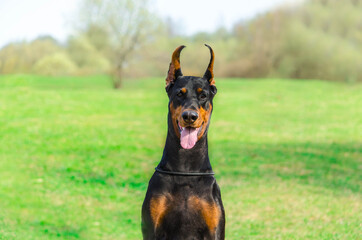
(183, 200)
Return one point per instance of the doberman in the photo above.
(183, 200)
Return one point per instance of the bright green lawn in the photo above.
(76, 157)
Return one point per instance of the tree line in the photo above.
(318, 39)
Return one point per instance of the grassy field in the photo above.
(76, 157)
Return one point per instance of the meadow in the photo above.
(76, 156)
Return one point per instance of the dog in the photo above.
(183, 200)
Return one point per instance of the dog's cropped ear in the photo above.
(209, 74)
(174, 70)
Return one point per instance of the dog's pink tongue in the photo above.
(188, 137)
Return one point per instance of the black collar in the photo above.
(184, 173)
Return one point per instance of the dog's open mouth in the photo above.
(189, 136)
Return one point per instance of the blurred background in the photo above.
(83, 113)
(311, 39)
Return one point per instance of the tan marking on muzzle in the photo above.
(175, 115)
(204, 116)
(202, 120)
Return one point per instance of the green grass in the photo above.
(76, 157)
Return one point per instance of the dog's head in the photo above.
(190, 102)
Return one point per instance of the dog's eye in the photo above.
(203, 96)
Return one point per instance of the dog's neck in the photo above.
(177, 159)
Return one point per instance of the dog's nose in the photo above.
(190, 116)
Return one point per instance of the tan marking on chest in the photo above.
(210, 212)
(158, 209)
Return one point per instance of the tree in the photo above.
(20, 57)
(125, 25)
(88, 58)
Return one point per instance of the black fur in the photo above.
(182, 221)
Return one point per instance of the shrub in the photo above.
(56, 64)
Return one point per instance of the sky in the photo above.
(28, 19)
